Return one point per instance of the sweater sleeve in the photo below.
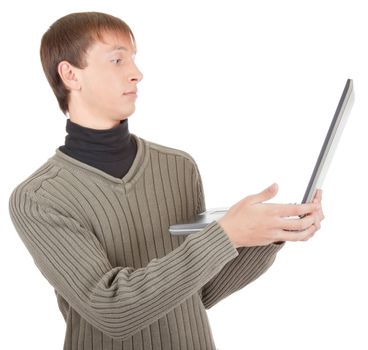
(119, 301)
(251, 263)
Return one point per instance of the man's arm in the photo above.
(119, 301)
(251, 263)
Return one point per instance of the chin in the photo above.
(125, 114)
(123, 117)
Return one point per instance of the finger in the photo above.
(321, 215)
(319, 191)
(297, 224)
(318, 196)
(285, 210)
(307, 237)
(295, 236)
(265, 195)
(317, 224)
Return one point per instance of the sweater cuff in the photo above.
(272, 248)
(215, 238)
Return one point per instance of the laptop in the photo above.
(318, 175)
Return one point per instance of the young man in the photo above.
(95, 216)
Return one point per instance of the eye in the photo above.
(116, 60)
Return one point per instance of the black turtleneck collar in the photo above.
(112, 151)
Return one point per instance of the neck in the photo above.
(91, 122)
(111, 150)
(84, 115)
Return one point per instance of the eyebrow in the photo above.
(118, 48)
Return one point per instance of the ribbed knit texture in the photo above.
(121, 280)
(110, 150)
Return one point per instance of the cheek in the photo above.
(100, 76)
(104, 87)
(110, 85)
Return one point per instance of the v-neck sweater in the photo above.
(121, 280)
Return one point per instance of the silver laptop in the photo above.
(316, 180)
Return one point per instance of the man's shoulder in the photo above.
(32, 182)
(171, 151)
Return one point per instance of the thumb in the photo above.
(265, 195)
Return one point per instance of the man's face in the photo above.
(109, 82)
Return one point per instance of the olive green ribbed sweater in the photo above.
(121, 280)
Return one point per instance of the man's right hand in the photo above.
(251, 222)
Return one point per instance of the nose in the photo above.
(136, 75)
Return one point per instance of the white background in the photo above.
(248, 88)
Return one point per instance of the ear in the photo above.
(69, 75)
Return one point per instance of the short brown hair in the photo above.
(69, 39)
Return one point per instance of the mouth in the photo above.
(130, 93)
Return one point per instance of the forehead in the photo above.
(113, 41)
